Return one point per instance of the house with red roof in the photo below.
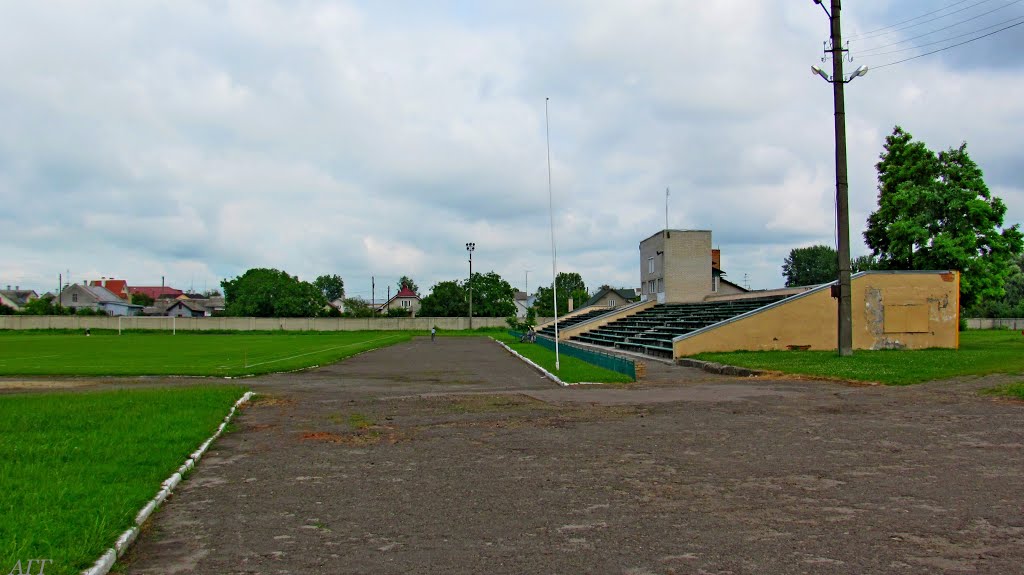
(157, 292)
(116, 287)
(405, 299)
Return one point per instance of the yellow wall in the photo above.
(904, 310)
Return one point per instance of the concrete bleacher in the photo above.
(651, 331)
(549, 330)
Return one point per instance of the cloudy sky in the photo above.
(195, 140)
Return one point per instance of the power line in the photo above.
(910, 19)
(971, 33)
(947, 47)
(898, 29)
(904, 41)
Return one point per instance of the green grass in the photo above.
(571, 370)
(160, 353)
(75, 468)
(1014, 390)
(981, 352)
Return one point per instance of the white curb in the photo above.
(546, 373)
(106, 561)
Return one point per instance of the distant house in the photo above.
(405, 299)
(17, 298)
(117, 287)
(199, 307)
(612, 298)
(156, 292)
(186, 308)
(523, 302)
(76, 297)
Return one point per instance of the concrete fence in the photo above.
(25, 322)
(995, 323)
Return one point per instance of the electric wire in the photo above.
(944, 40)
(905, 40)
(947, 47)
(898, 29)
(911, 19)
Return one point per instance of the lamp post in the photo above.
(838, 81)
(469, 248)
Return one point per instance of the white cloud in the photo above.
(195, 140)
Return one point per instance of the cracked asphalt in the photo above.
(454, 457)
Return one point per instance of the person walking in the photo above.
(433, 333)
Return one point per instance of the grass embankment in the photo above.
(980, 353)
(75, 468)
(571, 370)
(199, 354)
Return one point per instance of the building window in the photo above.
(661, 285)
(714, 284)
(406, 303)
(74, 297)
(650, 286)
(650, 265)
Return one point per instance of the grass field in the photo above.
(981, 352)
(571, 370)
(75, 468)
(160, 353)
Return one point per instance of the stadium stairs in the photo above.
(549, 329)
(652, 330)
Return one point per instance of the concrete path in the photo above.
(453, 457)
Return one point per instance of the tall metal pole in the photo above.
(845, 336)
(551, 210)
(470, 289)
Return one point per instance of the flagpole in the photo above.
(551, 209)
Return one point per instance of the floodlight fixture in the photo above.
(860, 71)
(820, 72)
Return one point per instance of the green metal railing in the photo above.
(607, 361)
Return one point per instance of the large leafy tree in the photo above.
(810, 266)
(570, 285)
(935, 212)
(446, 299)
(331, 286)
(358, 307)
(263, 292)
(1011, 304)
(492, 296)
(406, 281)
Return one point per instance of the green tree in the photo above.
(6, 309)
(864, 263)
(810, 266)
(139, 298)
(446, 299)
(570, 285)
(399, 312)
(935, 212)
(263, 292)
(332, 287)
(1012, 302)
(39, 306)
(406, 281)
(358, 307)
(492, 296)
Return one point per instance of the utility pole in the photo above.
(845, 311)
(842, 189)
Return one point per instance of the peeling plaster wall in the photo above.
(891, 310)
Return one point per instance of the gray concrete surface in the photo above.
(454, 458)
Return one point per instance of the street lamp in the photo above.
(838, 81)
(469, 248)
